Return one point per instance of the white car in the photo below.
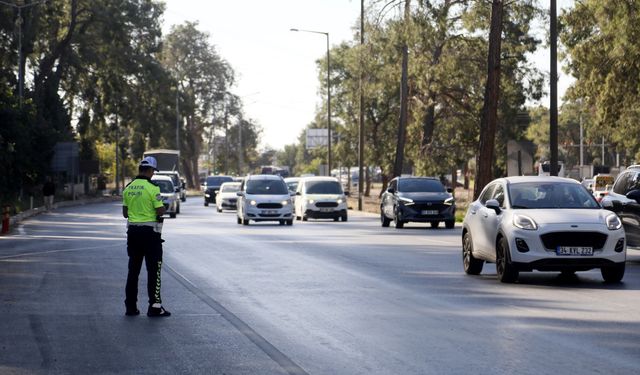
(541, 223)
(320, 198)
(264, 198)
(226, 198)
(170, 198)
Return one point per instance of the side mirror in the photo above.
(494, 205)
(449, 190)
(347, 193)
(391, 190)
(239, 194)
(634, 195)
(298, 193)
(177, 190)
(216, 191)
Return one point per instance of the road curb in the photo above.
(16, 219)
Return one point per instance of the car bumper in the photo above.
(541, 256)
(257, 214)
(332, 214)
(409, 214)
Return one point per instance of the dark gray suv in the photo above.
(624, 200)
(418, 199)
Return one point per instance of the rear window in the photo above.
(323, 187)
(267, 187)
(420, 185)
(218, 180)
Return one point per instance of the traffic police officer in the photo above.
(143, 208)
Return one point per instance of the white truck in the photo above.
(169, 165)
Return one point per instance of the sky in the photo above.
(276, 72)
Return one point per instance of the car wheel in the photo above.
(434, 224)
(344, 217)
(178, 209)
(384, 220)
(506, 271)
(397, 222)
(172, 215)
(449, 224)
(613, 274)
(218, 209)
(290, 222)
(245, 221)
(305, 218)
(206, 204)
(281, 222)
(298, 218)
(239, 220)
(337, 218)
(472, 265)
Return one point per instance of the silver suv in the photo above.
(264, 198)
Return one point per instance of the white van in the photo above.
(264, 198)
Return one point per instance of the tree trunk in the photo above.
(484, 158)
(404, 93)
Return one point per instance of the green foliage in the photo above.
(601, 39)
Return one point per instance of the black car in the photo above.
(418, 199)
(624, 200)
(211, 185)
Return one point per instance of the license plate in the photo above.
(269, 212)
(326, 210)
(429, 212)
(574, 250)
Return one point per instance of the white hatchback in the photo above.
(264, 198)
(320, 198)
(541, 223)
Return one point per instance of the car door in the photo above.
(629, 210)
(490, 222)
(475, 221)
(389, 199)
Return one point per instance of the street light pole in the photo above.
(19, 25)
(329, 159)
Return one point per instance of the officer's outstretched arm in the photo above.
(125, 212)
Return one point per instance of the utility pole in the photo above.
(240, 158)
(361, 120)
(117, 155)
(553, 105)
(177, 118)
(404, 93)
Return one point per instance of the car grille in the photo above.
(326, 204)
(231, 201)
(428, 206)
(588, 239)
(269, 205)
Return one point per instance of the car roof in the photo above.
(320, 178)
(161, 178)
(228, 183)
(520, 179)
(264, 177)
(417, 177)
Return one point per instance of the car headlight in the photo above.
(253, 203)
(449, 201)
(207, 195)
(405, 201)
(524, 222)
(613, 222)
(310, 201)
(339, 201)
(285, 202)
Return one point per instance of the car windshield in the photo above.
(218, 180)
(323, 187)
(165, 186)
(174, 177)
(550, 195)
(267, 187)
(230, 188)
(420, 185)
(293, 186)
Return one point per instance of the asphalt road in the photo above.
(320, 297)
